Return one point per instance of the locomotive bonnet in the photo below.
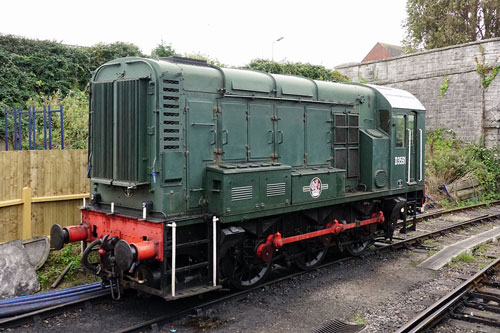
(202, 176)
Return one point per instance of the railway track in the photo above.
(402, 244)
(33, 316)
(406, 243)
(475, 304)
(440, 212)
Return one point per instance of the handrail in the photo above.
(173, 225)
(421, 157)
(214, 250)
(409, 155)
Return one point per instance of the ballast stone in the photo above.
(17, 275)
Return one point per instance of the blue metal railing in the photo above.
(17, 115)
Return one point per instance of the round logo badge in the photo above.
(315, 187)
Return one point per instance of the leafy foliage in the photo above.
(444, 87)
(314, 72)
(208, 59)
(437, 23)
(101, 53)
(446, 156)
(31, 67)
(163, 50)
(488, 172)
(448, 159)
(487, 73)
(56, 263)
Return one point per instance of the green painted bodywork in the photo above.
(242, 144)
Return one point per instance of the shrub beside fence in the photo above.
(39, 188)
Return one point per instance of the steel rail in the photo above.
(416, 239)
(440, 212)
(433, 314)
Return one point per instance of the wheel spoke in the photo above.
(242, 268)
(311, 254)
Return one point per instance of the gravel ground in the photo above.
(382, 291)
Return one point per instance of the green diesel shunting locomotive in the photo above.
(203, 176)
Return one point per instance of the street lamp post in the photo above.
(272, 49)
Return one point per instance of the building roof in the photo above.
(383, 51)
(395, 50)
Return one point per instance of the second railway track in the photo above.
(475, 303)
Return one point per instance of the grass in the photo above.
(464, 257)
(416, 262)
(55, 264)
(360, 320)
(431, 242)
(432, 252)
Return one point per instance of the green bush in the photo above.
(32, 67)
(488, 172)
(448, 159)
(446, 156)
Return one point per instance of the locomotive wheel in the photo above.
(312, 254)
(358, 247)
(241, 266)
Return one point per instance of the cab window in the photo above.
(384, 120)
(400, 131)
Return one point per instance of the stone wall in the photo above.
(423, 74)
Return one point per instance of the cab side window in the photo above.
(400, 130)
(384, 120)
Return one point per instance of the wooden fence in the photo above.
(39, 188)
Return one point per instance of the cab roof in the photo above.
(398, 98)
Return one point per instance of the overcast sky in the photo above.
(326, 32)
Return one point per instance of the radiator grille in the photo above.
(241, 193)
(171, 115)
(101, 117)
(118, 129)
(276, 189)
(130, 104)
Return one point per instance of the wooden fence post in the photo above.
(26, 197)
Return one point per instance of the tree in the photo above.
(438, 23)
(162, 50)
(201, 56)
(101, 53)
(314, 72)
